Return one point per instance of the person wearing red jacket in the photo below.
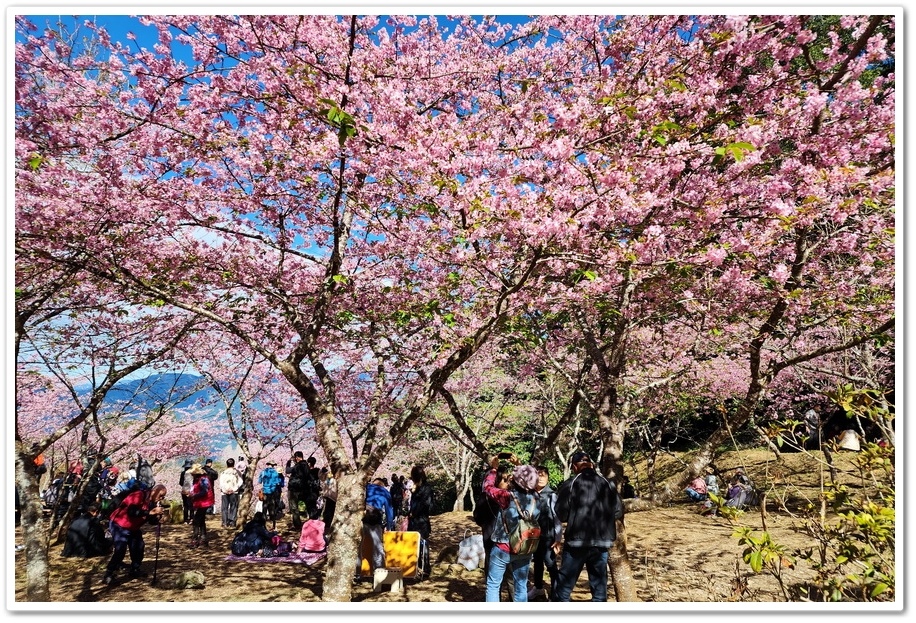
(125, 526)
(202, 498)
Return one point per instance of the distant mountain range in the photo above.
(167, 388)
(180, 391)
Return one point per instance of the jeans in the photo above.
(375, 533)
(693, 495)
(230, 508)
(594, 559)
(496, 570)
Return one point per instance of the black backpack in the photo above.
(484, 512)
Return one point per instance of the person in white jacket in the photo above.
(230, 482)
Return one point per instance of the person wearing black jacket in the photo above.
(590, 506)
(214, 476)
(86, 536)
(297, 487)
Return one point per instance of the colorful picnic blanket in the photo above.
(301, 558)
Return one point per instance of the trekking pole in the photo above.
(156, 563)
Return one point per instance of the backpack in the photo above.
(483, 511)
(145, 475)
(122, 492)
(525, 535)
(239, 545)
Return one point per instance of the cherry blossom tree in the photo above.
(366, 205)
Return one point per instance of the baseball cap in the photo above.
(580, 457)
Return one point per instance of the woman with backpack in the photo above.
(202, 498)
(516, 532)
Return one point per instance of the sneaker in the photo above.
(535, 592)
(107, 580)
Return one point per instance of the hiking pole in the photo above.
(156, 563)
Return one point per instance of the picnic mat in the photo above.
(301, 558)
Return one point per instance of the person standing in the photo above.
(590, 506)
(202, 498)
(329, 495)
(230, 483)
(501, 466)
(185, 481)
(242, 466)
(421, 507)
(397, 494)
(551, 528)
(126, 525)
(296, 486)
(271, 485)
(312, 491)
(214, 478)
(520, 494)
(379, 516)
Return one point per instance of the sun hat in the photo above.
(198, 470)
(188, 463)
(525, 477)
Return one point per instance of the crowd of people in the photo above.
(577, 519)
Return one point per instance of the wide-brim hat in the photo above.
(525, 477)
(188, 463)
(197, 470)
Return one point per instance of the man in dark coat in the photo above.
(214, 476)
(296, 488)
(590, 506)
(86, 536)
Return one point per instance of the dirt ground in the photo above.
(676, 555)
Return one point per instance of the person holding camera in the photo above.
(127, 521)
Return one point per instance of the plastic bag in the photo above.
(471, 553)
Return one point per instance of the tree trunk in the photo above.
(346, 533)
(34, 531)
(619, 567)
(613, 429)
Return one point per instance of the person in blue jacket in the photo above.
(379, 516)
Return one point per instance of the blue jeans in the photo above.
(694, 495)
(499, 562)
(594, 559)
